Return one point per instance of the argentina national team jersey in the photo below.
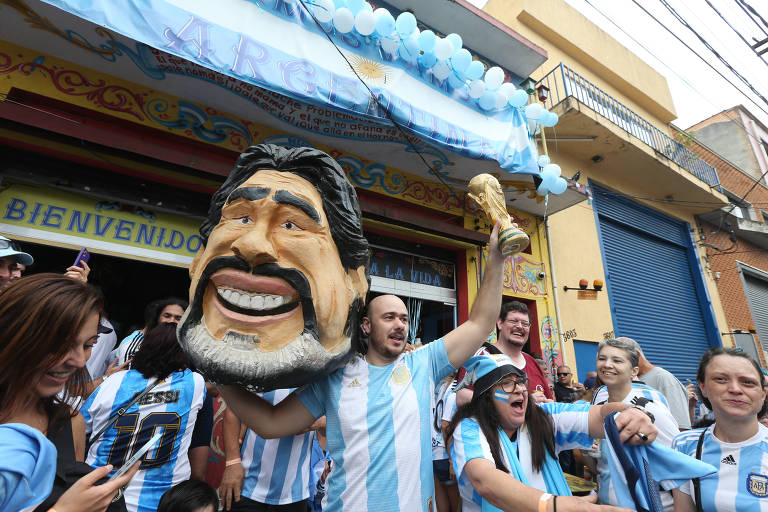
(171, 407)
(378, 431)
(276, 470)
(571, 426)
(638, 389)
(741, 482)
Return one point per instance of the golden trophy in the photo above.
(485, 190)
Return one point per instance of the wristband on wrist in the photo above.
(232, 462)
(543, 500)
(646, 411)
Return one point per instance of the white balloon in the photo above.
(507, 89)
(365, 23)
(534, 111)
(476, 88)
(343, 20)
(441, 70)
(443, 49)
(494, 77)
(501, 100)
(323, 10)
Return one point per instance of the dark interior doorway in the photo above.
(128, 285)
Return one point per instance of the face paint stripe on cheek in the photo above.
(501, 396)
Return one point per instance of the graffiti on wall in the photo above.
(549, 345)
(521, 276)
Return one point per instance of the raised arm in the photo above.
(505, 492)
(629, 422)
(462, 342)
(269, 421)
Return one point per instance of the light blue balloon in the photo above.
(559, 186)
(456, 81)
(455, 40)
(487, 101)
(475, 70)
(409, 50)
(549, 119)
(427, 41)
(405, 24)
(543, 161)
(385, 25)
(355, 6)
(340, 3)
(542, 190)
(428, 60)
(548, 177)
(518, 98)
(461, 60)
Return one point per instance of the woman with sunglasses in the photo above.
(731, 384)
(504, 446)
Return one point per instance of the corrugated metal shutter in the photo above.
(651, 283)
(757, 295)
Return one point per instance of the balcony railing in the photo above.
(564, 82)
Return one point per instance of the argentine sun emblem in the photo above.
(757, 485)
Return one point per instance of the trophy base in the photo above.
(513, 240)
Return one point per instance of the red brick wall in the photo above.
(729, 284)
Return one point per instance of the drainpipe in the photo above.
(554, 290)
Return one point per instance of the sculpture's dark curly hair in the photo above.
(338, 195)
(160, 353)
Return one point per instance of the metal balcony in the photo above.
(563, 82)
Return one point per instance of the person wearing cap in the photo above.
(10, 255)
(504, 446)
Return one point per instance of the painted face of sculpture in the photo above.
(271, 302)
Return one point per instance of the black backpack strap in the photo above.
(696, 481)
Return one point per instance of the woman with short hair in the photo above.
(731, 384)
(617, 367)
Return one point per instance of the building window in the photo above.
(740, 208)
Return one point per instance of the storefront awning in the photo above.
(277, 46)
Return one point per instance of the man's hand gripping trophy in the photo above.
(485, 190)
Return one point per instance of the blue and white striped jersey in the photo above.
(276, 470)
(571, 425)
(741, 482)
(378, 427)
(638, 389)
(171, 406)
(128, 347)
(654, 402)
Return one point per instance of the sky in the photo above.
(697, 91)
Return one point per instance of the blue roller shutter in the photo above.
(654, 283)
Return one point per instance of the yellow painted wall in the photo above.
(572, 39)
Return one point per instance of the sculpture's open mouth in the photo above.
(252, 298)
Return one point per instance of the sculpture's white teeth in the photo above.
(260, 302)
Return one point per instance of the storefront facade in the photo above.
(141, 159)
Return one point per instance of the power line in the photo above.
(752, 13)
(751, 47)
(672, 70)
(710, 48)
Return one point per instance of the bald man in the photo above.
(378, 405)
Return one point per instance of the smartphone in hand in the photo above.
(83, 256)
(138, 455)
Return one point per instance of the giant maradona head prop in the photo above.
(279, 285)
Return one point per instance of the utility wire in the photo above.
(736, 121)
(710, 48)
(752, 13)
(751, 47)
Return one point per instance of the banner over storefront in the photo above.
(275, 46)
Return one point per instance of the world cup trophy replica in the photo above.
(486, 192)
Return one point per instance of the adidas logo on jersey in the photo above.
(354, 384)
(728, 460)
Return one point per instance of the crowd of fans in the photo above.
(487, 426)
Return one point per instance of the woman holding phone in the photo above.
(49, 325)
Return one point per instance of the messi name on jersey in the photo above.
(159, 397)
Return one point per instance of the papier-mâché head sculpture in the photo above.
(279, 286)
